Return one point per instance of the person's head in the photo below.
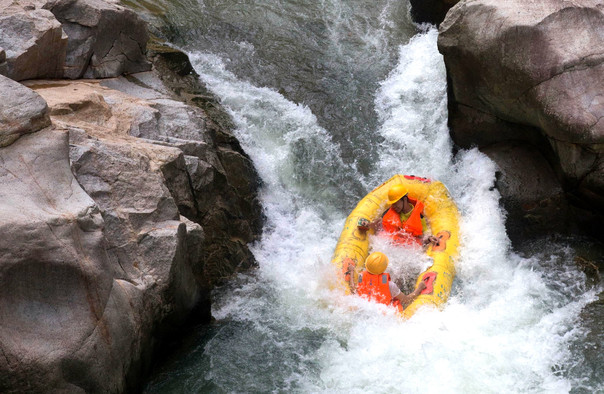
(376, 263)
(396, 195)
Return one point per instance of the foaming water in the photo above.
(284, 327)
(415, 141)
(328, 54)
(289, 148)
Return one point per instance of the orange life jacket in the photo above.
(399, 231)
(413, 225)
(375, 287)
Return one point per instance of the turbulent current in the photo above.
(330, 98)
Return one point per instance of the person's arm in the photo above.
(375, 225)
(365, 225)
(351, 282)
(428, 238)
(407, 299)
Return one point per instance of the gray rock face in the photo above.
(34, 43)
(56, 274)
(116, 222)
(145, 159)
(22, 111)
(143, 226)
(105, 40)
(221, 194)
(83, 295)
(71, 39)
(531, 195)
(531, 71)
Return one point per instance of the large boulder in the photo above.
(22, 111)
(224, 186)
(143, 226)
(531, 71)
(105, 39)
(57, 293)
(94, 272)
(209, 178)
(223, 179)
(149, 242)
(33, 41)
(71, 39)
(96, 269)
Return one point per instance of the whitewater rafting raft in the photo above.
(443, 220)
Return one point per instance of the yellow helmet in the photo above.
(395, 193)
(376, 263)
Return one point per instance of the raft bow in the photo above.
(443, 221)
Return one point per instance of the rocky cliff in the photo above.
(525, 86)
(123, 200)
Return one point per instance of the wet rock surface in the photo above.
(530, 193)
(3, 65)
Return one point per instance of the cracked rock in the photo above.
(105, 39)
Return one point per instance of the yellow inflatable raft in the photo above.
(443, 220)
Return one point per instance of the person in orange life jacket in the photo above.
(375, 284)
(403, 221)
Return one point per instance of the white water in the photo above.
(507, 325)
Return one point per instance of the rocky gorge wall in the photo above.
(525, 86)
(123, 200)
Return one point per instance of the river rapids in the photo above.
(330, 98)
